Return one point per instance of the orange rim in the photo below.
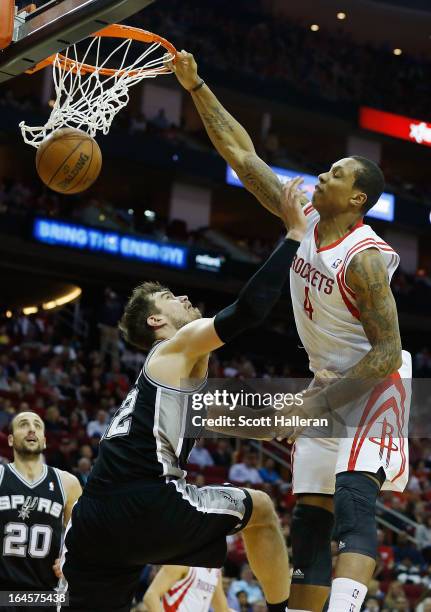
(112, 31)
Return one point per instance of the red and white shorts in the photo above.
(376, 438)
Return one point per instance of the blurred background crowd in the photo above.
(297, 86)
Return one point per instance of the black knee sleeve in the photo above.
(355, 513)
(311, 545)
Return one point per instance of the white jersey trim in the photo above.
(156, 431)
(30, 485)
(60, 484)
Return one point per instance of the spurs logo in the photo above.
(29, 505)
(386, 442)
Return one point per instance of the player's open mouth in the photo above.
(318, 189)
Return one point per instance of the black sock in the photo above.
(278, 607)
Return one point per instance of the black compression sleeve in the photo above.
(259, 295)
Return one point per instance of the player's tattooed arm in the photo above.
(229, 137)
(367, 276)
(235, 146)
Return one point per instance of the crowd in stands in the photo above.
(76, 385)
(272, 48)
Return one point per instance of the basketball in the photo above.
(68, 160)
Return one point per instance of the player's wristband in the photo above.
(198, 86)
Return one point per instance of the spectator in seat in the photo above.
(98, 426)
(246, 583)
(395, 591)
(223, 453)
(86, 451)
(406, 549)
(407, 573)
(94, 444)
(53, 419)
(269, 474)
(423, 538)
(371, 605)
(242, 604)
(66, 456)
(200, 455)
(111, 313)
(7, 412)
(246, 471)
(83, 470)
(385, 551)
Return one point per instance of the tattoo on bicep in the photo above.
(376, 304)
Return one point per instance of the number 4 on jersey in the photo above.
(307, 304)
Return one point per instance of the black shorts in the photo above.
(112, 536)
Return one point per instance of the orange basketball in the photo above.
(68, 160)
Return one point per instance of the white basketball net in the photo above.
(90, 100)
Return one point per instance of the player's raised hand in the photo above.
(185, 69)
(291, 211)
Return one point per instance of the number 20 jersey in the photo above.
(325, 309)
(31, 524)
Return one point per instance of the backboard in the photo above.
(52, 26)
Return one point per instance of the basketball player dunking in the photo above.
(177, 588)
(136, 507)
(35, 502)
(347, 321)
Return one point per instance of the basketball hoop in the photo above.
(89, 96)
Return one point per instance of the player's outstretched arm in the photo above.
(229, 137)
(166, 577)
(256, 299)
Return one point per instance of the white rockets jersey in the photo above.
(326, 314)
(192, 593)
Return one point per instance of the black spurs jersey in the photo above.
(31, 524)
(145, 439)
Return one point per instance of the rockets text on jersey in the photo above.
(325, 309)
(194, 592)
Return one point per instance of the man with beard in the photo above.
(137, 507)
(35, 502)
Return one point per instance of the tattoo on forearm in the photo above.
(217, 121)
(258, 178)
